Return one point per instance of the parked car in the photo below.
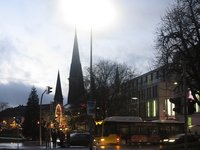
(180, 138)
(80, 139)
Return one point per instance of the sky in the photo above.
(36, 40)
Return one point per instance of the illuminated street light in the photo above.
(138, 105)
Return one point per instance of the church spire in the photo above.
(76, 86)
(58, 98)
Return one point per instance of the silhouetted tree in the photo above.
(178, 43)
(30, 125)
(108, 77)
(3, 105)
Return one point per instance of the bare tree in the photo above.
(108, 77)
(3, 105)
(178, 43)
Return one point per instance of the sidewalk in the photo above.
(26, 145)
(34, 145)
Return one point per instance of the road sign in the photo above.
(91, 108)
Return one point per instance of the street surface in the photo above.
(32, 147)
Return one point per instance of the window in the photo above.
(155, 92)
(149, 79)
(152, 108)
(197, 108)
(169, 108)
(144, 79)
(144, 92)
(139, 81)
(149, 93)
(157, 74)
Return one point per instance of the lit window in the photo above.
(151, 108)
(197, 107)
(154, 108)
(148, 109)
(169, 108)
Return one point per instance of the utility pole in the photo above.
(91, 105)
(185, 102)
(48, 90)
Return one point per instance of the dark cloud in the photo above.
(17, 94)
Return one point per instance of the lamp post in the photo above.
(91, 99)
(185, 102)
(91, 70)
(47, 90)
(138, 105)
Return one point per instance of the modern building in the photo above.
(149, 95)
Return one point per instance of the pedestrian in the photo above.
(47, 137)
(68, 139)
(61, 138)
(54, 137)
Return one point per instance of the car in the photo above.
(180, 138)
(80, 139)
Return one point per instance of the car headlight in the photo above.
(102, 140)
(171, 140)
(165, 140)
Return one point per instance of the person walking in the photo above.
(54, 137)
(61, 138)
(68, 139)
(47, 137)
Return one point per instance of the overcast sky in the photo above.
(36, 41)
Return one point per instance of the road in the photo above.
(136, 147)
(32, 147)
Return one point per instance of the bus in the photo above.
(130, 130)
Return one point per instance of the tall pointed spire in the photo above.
(76, 86)
(58, 98)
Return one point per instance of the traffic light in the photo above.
(49, 89)
(177, 103)
(191, 106)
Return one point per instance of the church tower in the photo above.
(58, 104)
(76, 85)
(58, 98)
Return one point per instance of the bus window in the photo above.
(123, 130)
(98, 130)
(109, 129)
(124, 134)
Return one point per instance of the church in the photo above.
(70, 116)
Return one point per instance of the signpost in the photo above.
(91, 108)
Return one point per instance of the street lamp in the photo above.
(47, 91)
(138, 105)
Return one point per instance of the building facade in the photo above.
(149, 96)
